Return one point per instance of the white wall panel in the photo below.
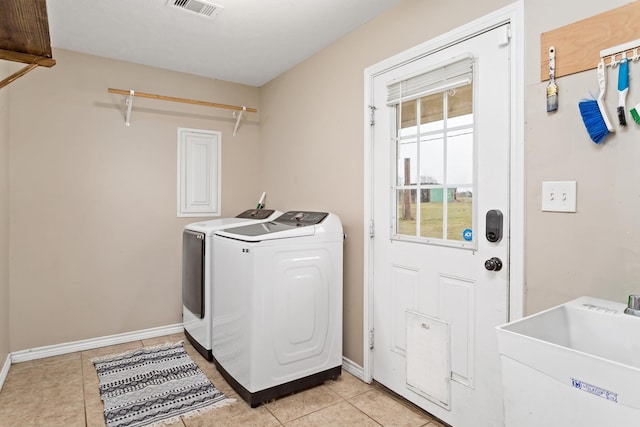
(198, 172)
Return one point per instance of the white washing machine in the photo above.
(197, 273)
(277, 317)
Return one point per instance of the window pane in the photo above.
(431, 213)
(460, 101)
(431, 108)
(460, 157)
(459, 213)
(406, 203)
(407, 169)
(409, 115)
(431, 164)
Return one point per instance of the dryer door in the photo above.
(193, 272)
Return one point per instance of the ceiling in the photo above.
(248, 42)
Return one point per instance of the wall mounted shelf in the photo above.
(24, 36)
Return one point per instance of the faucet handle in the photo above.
(634, 302)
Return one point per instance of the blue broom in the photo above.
(594, 112)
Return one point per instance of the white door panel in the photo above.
(423, 267)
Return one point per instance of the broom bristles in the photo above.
(593, 120)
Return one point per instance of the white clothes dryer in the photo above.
(277, 317)
(197, 273)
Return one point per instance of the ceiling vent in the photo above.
(201, 7)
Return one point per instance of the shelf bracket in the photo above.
(235, 129)
(17, 75)
(129, 102)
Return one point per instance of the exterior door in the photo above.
(441, 139)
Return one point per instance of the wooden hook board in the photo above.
(578, 45)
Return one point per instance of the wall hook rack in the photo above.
(132, 93)
(622, 50)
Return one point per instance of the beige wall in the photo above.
(95, 241)
(4, 215)
(312, 130)
(594, 251)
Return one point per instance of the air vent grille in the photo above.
(201, 7)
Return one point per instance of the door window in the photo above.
(433, 138)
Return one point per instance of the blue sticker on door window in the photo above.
(467, 234)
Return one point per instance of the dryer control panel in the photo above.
(301, 218)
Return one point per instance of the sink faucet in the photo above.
(633, 306)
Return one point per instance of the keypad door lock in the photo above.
(494, 226)
(493, 264)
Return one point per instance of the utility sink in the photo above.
(577, 364)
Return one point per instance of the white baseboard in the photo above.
(5, 370)
(353, 368)
(71, 347)
(82, 345)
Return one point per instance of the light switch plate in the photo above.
(559, 196)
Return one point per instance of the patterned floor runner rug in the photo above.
(153, 386)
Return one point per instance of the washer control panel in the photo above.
(301, 218)
(256, 213)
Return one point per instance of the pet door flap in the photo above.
(428, 358)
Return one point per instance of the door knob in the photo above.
(493, 264)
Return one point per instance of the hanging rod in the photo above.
(183, 100)
(623, 50)
(131, 93)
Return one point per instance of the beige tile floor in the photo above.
(63, 391)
